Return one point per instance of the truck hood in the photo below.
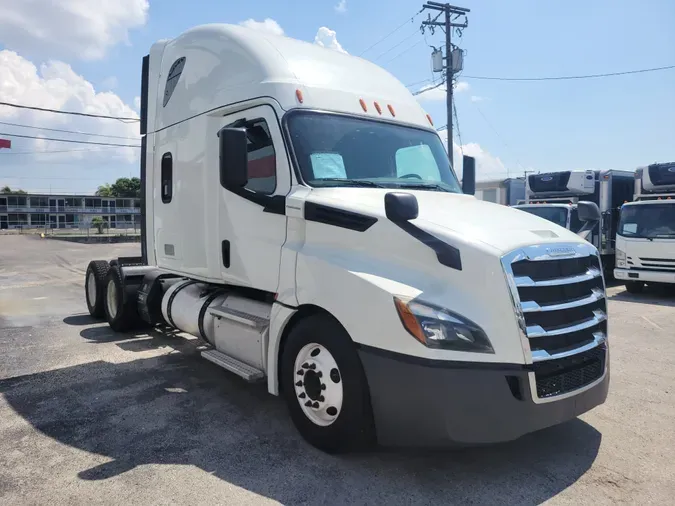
(503, 228)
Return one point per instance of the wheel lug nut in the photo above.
(312, 366)
(319, 374)
(298, 384)
(301, 372)
(308, 404)
(305, 365)
(302, 395)
(322, 398)
(315, 405)
(323, 386)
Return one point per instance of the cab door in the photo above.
(252, 223)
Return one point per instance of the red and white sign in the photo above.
(5, 143)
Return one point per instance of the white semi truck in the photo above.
(645, 241)
(301, 217)
(556, 196)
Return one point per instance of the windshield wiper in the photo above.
(350, 182)
(424, 186)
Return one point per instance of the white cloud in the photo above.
(109, 83)
(137, 104)
(341, 6)
(267, 25)
(56, 86)
(82, 28)
(488, 166)
(433, 92)
(326, 37)
(477, 98)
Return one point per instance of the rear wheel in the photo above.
(635, 286)
(121, 315)
(94, 285)
(325, 387)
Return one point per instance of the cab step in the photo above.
(250, 374)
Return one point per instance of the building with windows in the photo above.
(71, 211)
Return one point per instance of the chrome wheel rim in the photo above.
(91, 288)
(112, 299)
(318, 384)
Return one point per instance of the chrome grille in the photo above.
(559, 297)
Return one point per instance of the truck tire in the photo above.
(325, 387)
(635, 286)
(94, 287)
(120, 315)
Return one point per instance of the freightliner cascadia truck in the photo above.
(645, 240)
(301, 217)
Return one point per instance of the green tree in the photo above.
(99, 224)
(104, 190)
(9, 191)
(127, 187)
(124, 187)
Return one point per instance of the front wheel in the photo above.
(635, 286)
(325, 387)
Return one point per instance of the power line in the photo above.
(561, 78)
(396, 45)
(410, 20)
(424, 90)
(68, 131)
(418, 82)
(71, 140)
(405, 51)
(498, 136)
(459, 134)
(50, 152)
(72, 113)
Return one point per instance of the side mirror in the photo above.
(400, 206)
(469, 175)
(233, 159)
(588, 211)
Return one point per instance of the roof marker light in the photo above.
(363, 105)
(298, 95)
(391, 110)
(430, 120)
(378, 108)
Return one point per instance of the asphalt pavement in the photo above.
(88, 416)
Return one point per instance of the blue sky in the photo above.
(616, 122)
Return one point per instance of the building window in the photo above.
(38, 220)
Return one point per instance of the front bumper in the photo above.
(436, 403)
(644, 275)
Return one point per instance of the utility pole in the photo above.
(451, 67)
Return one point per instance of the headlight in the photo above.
(620, 258)
(436, 327)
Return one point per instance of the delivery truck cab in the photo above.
(645, 242)
(302, 218)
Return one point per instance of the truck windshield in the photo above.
(648, 221)
(557, 215)
(334, 150)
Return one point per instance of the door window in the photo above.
(262, 161)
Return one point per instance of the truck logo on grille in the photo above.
(560, 252)
(547, 178)
(672, 169)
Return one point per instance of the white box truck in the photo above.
(301, 217)
(507, 192)
(556, 197)
(645, 241)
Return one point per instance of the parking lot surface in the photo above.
(88, 416)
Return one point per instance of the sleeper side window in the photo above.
(167, 178)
